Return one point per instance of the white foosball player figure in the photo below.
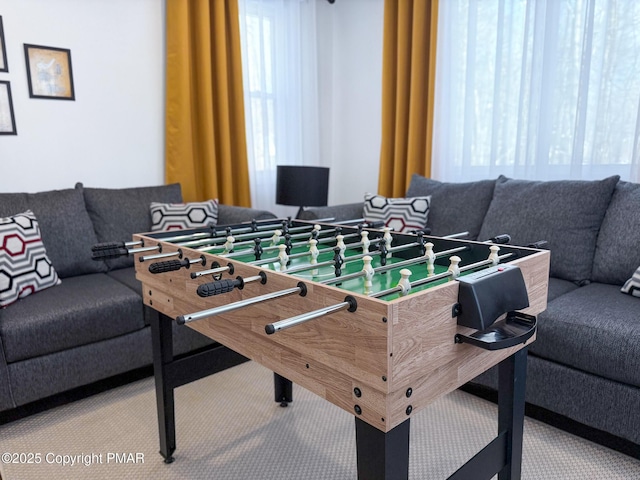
(368, 274)
(313, 253)
(405, 283)
(228, 245)
(341, 245)
(454, 267)
(316, 228)
(493, 256)
(275, 239)
(366, 243)
(387, 239)
(431, 258)
(283, 258)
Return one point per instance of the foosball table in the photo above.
(378, 323)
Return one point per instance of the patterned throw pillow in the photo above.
(401, 214)
(180, 216)
(24, 265)
(632, 286)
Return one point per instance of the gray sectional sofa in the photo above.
(91, 326)
(585, 364)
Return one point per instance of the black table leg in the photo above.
(511, 401)
(283, 389)
(162, 338)
(382, 456)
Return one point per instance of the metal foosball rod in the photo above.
(190, 239)
(338, 238)
(173, 265)
(227, 285)
(157, 256)
(443, 275)
(385, 268)
(403, 287)
(239, 239)
(301, 290)
(116, 249)
(350, 304)
(349, 246)
(383, 252)
(233, 244)
(351, 258)
(106, 251)
(255, 226)
(328, 263)
(216, 269)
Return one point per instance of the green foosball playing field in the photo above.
(300, 263)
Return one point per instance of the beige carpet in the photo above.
(229, 428)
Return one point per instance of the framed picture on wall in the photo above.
(49, 72)
(4, 66)
(7, 118)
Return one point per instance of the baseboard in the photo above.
(561, 422)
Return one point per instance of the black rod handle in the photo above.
(502, 239)
(109, 253)
(107, 246)
(219, 287)
(167, 266)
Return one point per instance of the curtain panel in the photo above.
(408, 83)
(205, 144)
(279, 54)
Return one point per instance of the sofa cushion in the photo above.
(632, 286)
(617, 253)
(81, 310)
(455, 207)
(559, 287)
(335, 213)
(595, 329)
(127, 276)
(119, 213)
(230, 214)
(567, 214)
(25, 267)
(67, 231)
(40, 377)
(400, 214)
(180, 216)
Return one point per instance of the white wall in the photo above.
(112, 135)
(350, 84)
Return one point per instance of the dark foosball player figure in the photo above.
(380, 324)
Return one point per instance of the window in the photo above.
(280, 84)
(545, 89)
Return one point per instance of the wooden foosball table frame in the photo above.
(382, 363)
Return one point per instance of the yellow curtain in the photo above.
(408, 84)
(205, 144)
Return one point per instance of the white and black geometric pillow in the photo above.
(24, 265)
(180, 216)
(632, 286)
(400, 214)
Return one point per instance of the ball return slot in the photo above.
(486, 295)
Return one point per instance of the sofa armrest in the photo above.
(230, 214)
(347, 211)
